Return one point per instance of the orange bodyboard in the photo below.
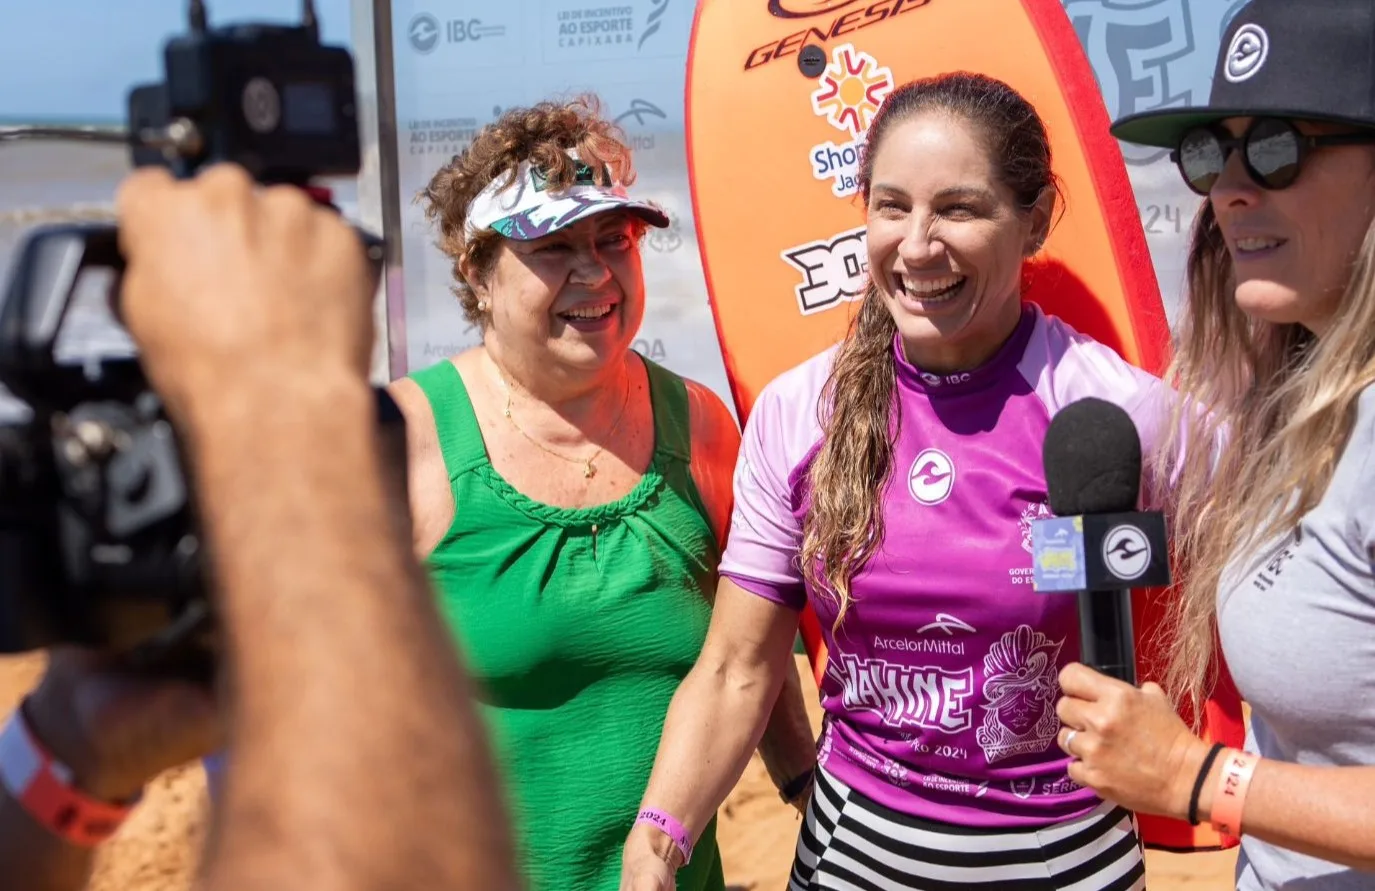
(779, 95)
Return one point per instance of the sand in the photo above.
(157, 850)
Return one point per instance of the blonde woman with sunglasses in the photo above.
(1278, 352)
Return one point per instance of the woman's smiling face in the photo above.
(946, 241)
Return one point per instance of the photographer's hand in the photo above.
(234, 292)
(358, 759)
(116, 731)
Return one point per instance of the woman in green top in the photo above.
(570, 496)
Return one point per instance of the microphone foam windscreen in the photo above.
(1092, 459)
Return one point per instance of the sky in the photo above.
(77, 59)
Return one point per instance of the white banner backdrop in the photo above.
(458, 63)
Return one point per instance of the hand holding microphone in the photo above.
(1128, 743)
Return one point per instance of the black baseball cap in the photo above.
(1298, 59)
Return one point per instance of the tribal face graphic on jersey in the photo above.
(1021, 684)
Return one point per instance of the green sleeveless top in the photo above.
(578, 626)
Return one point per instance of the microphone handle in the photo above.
(1107, 643)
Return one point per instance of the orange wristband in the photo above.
(43, 787)
(1232, 785)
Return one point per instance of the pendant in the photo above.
(589, 471)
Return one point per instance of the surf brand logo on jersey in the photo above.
(905, 695)
(848, 95)
(1150, 54)
(1021, 684)
(833, 270)
(932, 477)
(844, 18)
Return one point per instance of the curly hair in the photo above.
(542, 134)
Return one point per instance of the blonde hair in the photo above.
(541, 134)
(1278, 405)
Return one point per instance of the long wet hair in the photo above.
(846, 481)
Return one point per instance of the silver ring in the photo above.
(1070, 739)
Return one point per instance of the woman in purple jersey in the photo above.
(1279, 528)
(891, 482)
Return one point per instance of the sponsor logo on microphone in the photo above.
(1126, 552)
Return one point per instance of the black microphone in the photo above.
(1098, 544)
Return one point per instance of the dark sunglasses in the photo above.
(1272, 151)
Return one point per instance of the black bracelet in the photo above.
(1198, 783)
(796, 786)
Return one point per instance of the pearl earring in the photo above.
(482, 306)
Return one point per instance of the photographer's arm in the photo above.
(356, 747)
(359, 763)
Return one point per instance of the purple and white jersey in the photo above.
(940, 688)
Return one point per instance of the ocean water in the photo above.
(51, 182)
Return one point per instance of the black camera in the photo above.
(99, 539)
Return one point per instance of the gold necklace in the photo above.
(589, 469)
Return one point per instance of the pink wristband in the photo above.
(670, 827)
(1230, 797)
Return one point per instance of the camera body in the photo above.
(99, 540)
(269, 98)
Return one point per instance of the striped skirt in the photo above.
(850, 843)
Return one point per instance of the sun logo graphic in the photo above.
(852, 88)
(848, 95)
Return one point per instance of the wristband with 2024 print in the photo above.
(1233, 782)
(669, 826)
(42, 785)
